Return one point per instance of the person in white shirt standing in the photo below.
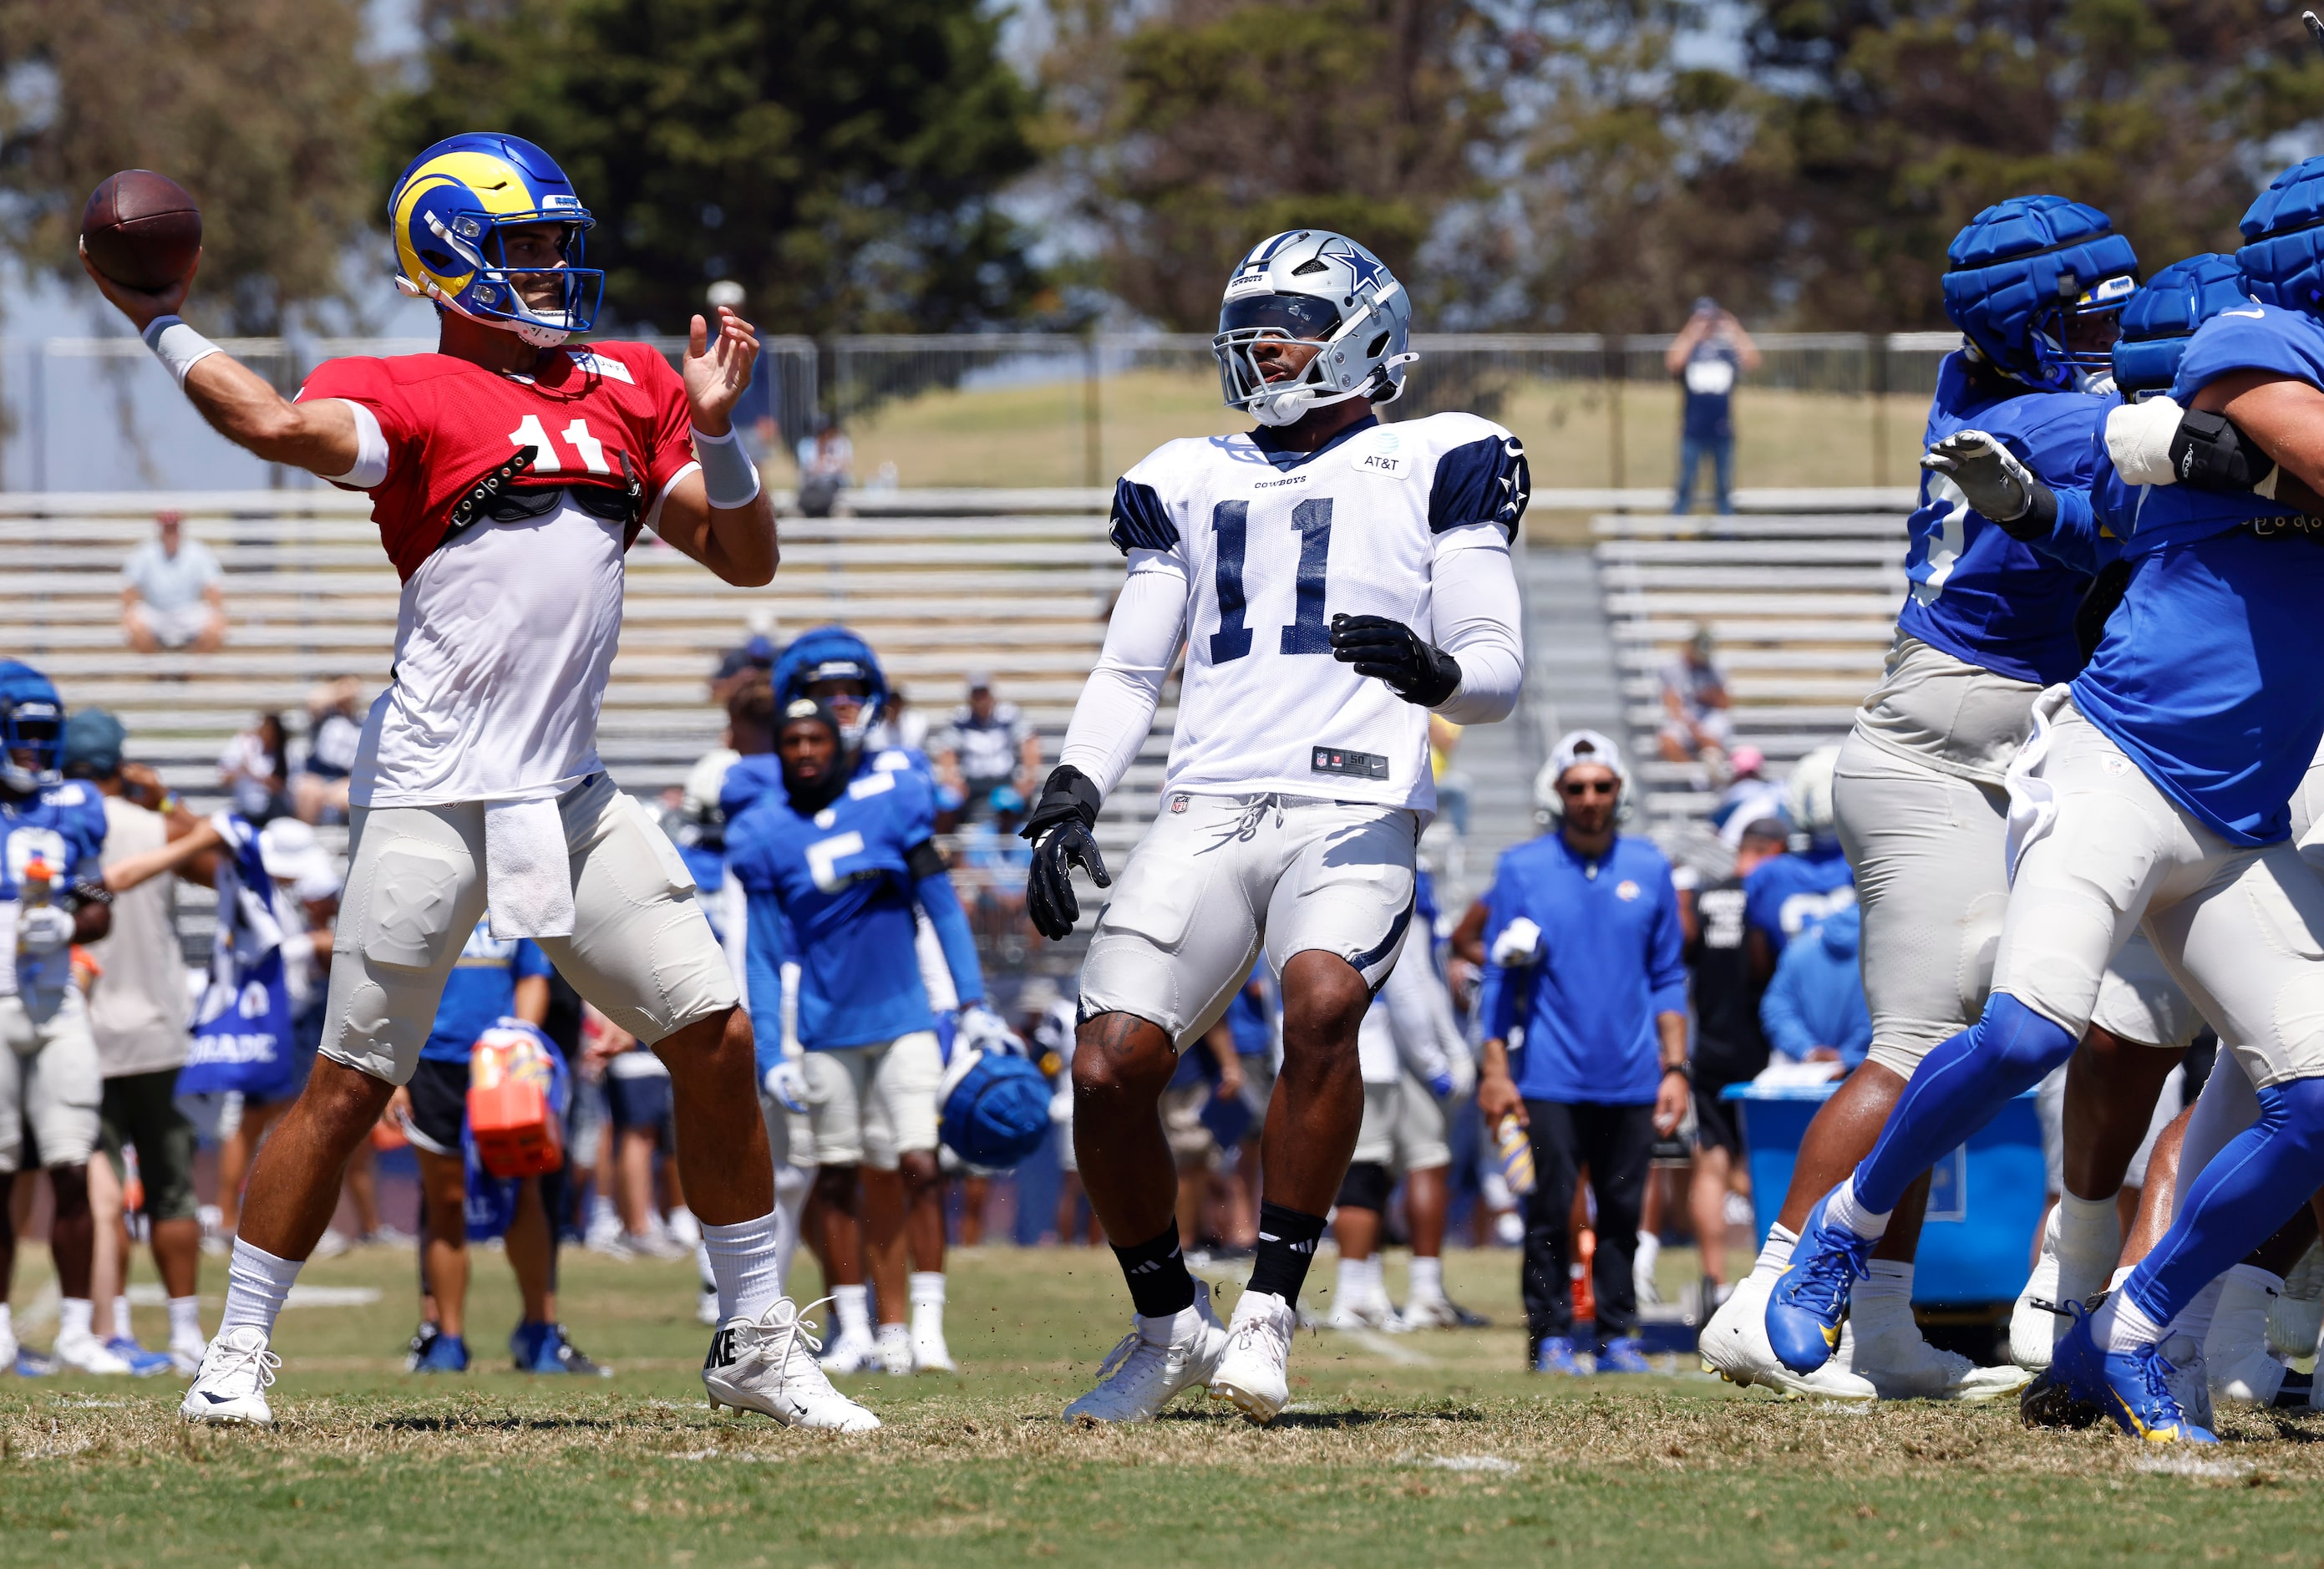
(1333, 581)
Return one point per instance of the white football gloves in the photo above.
(1519, 945)
(1989, 475)
(786, 1084)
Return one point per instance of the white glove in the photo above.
(2138, 438)
(42, 930)
(1992, 480)
(986, 1030)
(1519, 945)
(786, 1084)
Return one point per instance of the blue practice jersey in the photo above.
(834, 894)
(1976, 593)
(481, 989)
(2205, 675)
(62, 827)
(749, 778)
(1783, 897)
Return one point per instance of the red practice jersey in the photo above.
(450, 422)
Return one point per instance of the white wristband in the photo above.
(178, 346)
(729, 479)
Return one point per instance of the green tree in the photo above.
(841, 161)
(258, 107)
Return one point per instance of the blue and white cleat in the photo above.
(1556, 1356)
(143, 1363)
(2133, 1387)
(1809, 1299)
(1626, 1355)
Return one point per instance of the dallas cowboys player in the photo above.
(1333, 580)
(2035, 284)
(2154, 790)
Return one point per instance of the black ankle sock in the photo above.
(1159, 1284)
(1286, 1246)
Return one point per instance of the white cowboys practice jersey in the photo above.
(1272, 545)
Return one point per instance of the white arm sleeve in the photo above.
(1411, 1017)
(1476, 618)
(1117, 707)
(370, 471)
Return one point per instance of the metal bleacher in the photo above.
(1802, 605)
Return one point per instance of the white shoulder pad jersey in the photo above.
(1272, 545)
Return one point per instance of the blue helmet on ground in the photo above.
(996, 1107)
(32, 729)
(2164, 314)
(2282, 257)
(2024, 272)
(834, 653)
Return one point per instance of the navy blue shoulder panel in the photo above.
(1484, 482)
(1140, 520)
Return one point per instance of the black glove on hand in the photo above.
(1059, 828)
(1415, 668)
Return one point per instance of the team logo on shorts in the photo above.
(1177, 804)
(1625, 890)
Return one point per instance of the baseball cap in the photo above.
(293, 856)
(93, 743)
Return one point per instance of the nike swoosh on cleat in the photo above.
(213, 1399)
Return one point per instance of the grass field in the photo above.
(1401, 1451)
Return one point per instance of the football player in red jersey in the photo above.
(508, 475)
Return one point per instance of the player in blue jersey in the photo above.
(1786, 894)
(51, 896)
(836, 867)
(493, 977)
(836, 667)
(2153, 789)
(2035, 284)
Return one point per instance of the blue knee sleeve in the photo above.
(1958, 1089)
(2250, 1187)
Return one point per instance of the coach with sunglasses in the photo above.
(1584, 1014)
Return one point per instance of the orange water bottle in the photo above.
(1513, 1147)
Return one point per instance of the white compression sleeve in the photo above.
(1116, 709)
(1475, 613)
(1411, 1021)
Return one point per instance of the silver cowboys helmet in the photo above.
(1313, 286)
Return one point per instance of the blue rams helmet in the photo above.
(834, 653)
(2022, 271)
(1315, 286)
(2164, 315)
(2282, 256)
(996, 1107)
(449, 214)
(32, 729)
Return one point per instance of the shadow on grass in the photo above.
(510, 1423)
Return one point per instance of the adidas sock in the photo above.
(1427, 1280)
(927, 1300)
(746, 1265)
(122, 1329)
(1286, 1247)
(185, 1320)
(1157, 1274)
(74, 1316)
(256, 1285)
(1845, 1210)
(854, 1305)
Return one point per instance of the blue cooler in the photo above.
(1986, 1199)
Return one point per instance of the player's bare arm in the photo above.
(2284, 416)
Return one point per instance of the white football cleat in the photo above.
(1363, 1313)
(86, 1354)
(1254, 1373)
(2188, 1375)
(1734, 1345)
(185, 1356)
(2295, 1319)
(231, 1387)
(2033, 1329)
(1156, 1360)
(768, 1364)
(1899, 1363)
(2240, 1367)
(929, 1353)
(894, 1353)
(851, 1354)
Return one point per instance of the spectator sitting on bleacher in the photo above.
(988, 746)
(173, 592)
(254, 767)
(1814, 1008)
(334, 734)
(827, 461)
(1696, 723)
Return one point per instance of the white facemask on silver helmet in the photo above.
(1313, 286)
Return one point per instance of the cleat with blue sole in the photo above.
(1626, 1355)
(2131, 1387)
(1556, 1356)
(143, 1363)
(1809, 1299)
(443, 1353)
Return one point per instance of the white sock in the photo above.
(1884, 1298)
(185, 1320)
(7, 1321)
(1348, 1285)
(2089, 1231)
(1172, 1329)
(2120, 1325)
(792, 1185)
(1844, 1212)
(854, 1305)
(256, 1283)
(74, 1315)
(927, 1300)
(2114, 1280)
(744, 1263)
(2194, 1320)
(1774, 1253)
(682, 1225)
(122, 1329)
(1650, 1248)
(1427, 1280)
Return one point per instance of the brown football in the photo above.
(141, 229)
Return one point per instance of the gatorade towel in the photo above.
(242, 1033)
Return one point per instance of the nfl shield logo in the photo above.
(1178, 803)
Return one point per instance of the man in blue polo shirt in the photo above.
(1584, 952)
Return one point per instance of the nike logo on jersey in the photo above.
(2254, 315)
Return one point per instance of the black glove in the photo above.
(1415, 668)
(1059, 828)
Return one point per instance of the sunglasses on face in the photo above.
(1589, 787)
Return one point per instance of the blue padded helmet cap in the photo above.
(2019, 267)
(2282, 257)
(2164, 314)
